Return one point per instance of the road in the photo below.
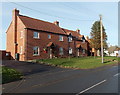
(60, 80)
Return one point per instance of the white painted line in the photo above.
(116, 74)
(91, 87)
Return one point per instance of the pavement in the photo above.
(47, 79)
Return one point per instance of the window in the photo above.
(49, 36)
(21, 49)
(69, 39)
(83, 40)
(36, 50)
(61, 51)
(60, 38)
(21, 34)
(70, 50)
(83, 51)
(7, 54)
(35, 35)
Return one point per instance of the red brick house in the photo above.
(29, 38)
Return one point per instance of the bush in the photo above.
(9, 75)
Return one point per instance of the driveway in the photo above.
(28, 67)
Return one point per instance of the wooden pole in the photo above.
(101, 38)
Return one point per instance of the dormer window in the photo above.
(83, 40)
(60, 38)
(36, 35)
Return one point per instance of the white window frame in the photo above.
(60, 38)
(61, 51)
(37, 51)
(21, 34)
(38, 35)
(70, 50)
(69, 39)
(49, 36)
(21, 50)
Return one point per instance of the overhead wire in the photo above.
(46, 13)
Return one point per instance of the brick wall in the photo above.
(42, 42)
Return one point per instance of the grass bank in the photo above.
(9, 74)
(82, 63)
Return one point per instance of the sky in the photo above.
(71, 15)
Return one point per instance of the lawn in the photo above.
(9, 74)
(83, 62)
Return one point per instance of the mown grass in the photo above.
(9, 74)
(83, 62)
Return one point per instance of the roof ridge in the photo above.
(69, 30)
(37, 19)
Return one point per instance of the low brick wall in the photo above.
(4, 55)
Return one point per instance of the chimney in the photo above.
(15, 13)
(78, 31)
(87, 38)
(56, 23)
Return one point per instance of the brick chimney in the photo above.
(15, 13)
(78, 31)
(87, 38)
(56, 23)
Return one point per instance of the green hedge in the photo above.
(9, 75)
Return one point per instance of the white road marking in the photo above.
(91, 87)
(116, 74)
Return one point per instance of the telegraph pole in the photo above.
(101, 37)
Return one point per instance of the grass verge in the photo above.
(9, 74)
(82, 63)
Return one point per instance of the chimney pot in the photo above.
(15, 12)
(56, 23)
(78, 31)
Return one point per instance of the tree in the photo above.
(96, 37)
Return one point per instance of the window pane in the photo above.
(70, 50)
(60, 38)
(70, 39)
(49, 36)
(36, 50)
(36, 35)
(61, 51)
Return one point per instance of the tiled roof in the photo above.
(74, 33)
(113, 48)
(40, 25)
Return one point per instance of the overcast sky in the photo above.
(71, 15)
